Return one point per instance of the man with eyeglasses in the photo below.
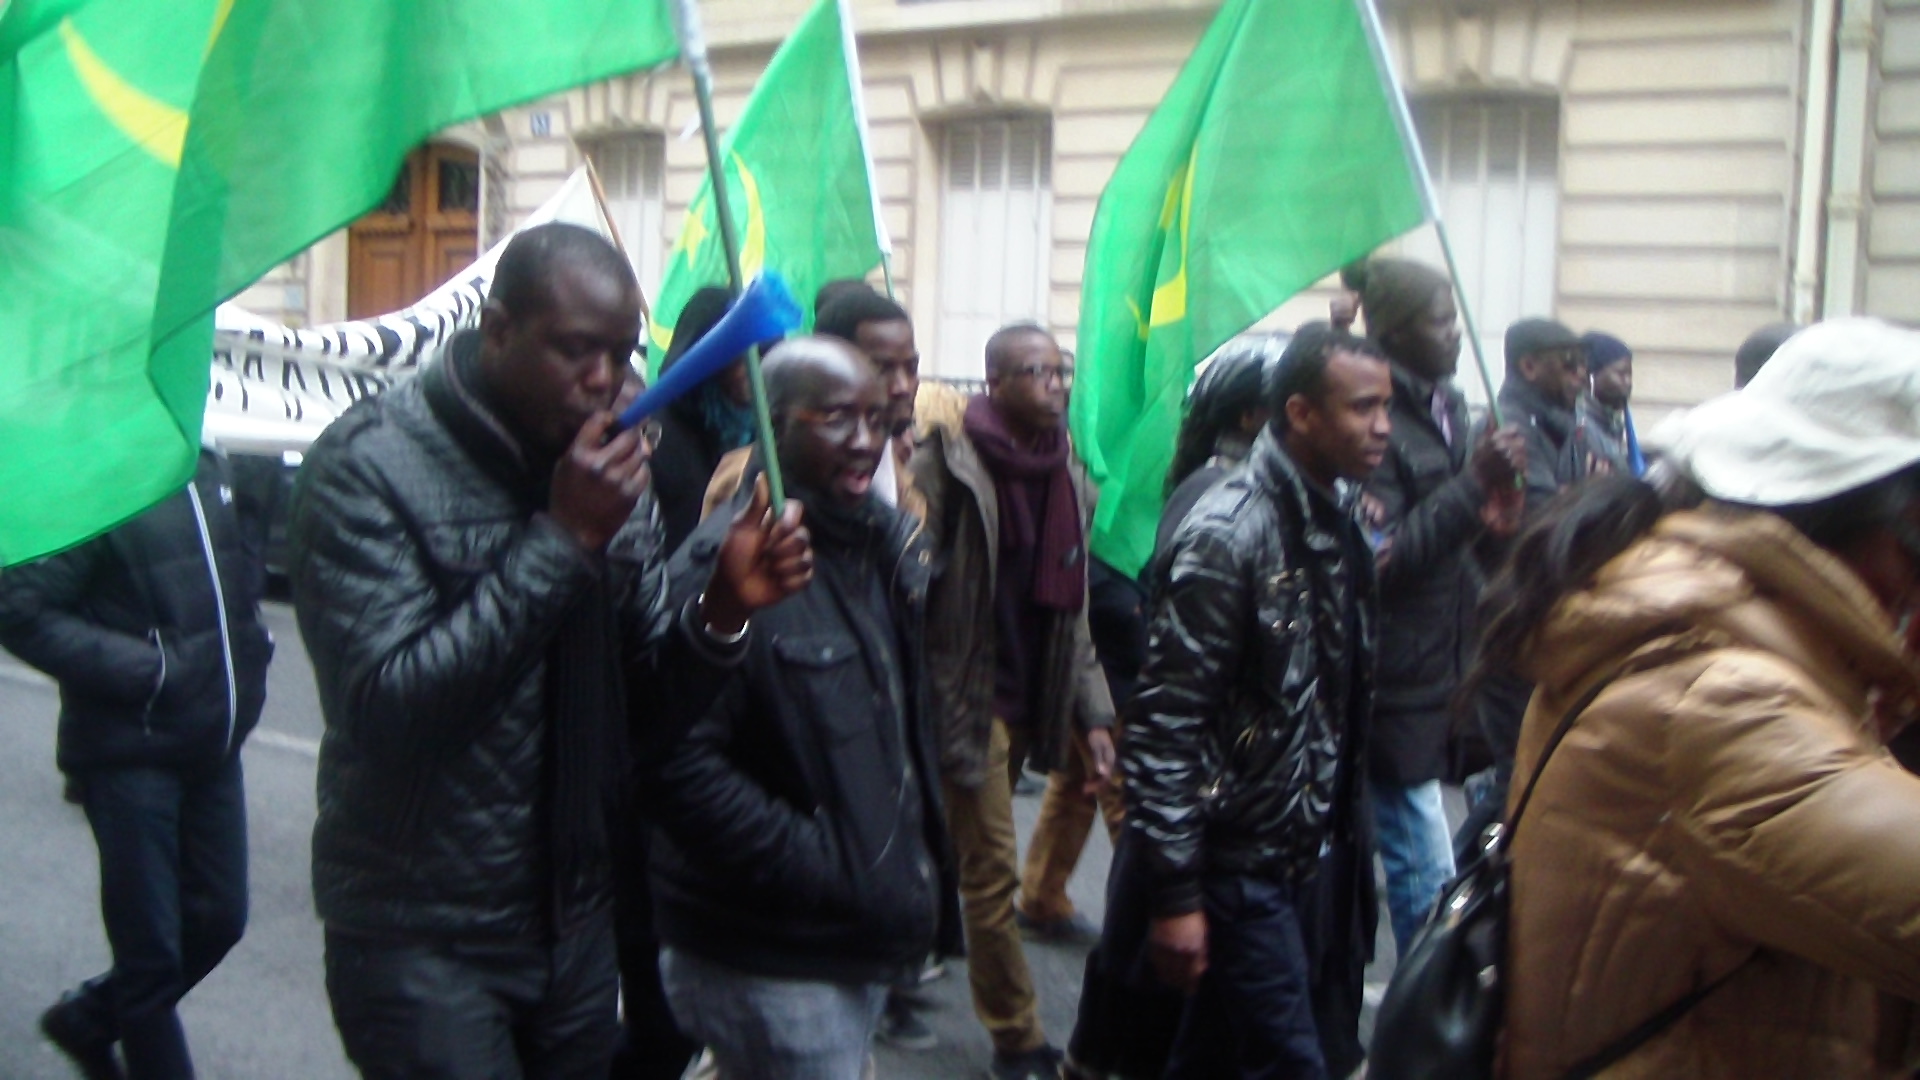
(800, 863)
(1009, 652)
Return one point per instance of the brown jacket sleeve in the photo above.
(726, 479)
(1801, 832)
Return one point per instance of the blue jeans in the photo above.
(1416, 849)
(1252, 1017)
(173, 896)
(759, 1025)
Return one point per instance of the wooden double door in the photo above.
(426, 231)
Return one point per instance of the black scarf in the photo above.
(583, 699)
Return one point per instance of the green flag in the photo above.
(1274, 159)
(797, 183)
(93, 113)
(164, 156)
(307, 107)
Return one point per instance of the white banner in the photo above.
(275, 387)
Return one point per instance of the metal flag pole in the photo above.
(850, 48)
(693, 49)
(1417, 159)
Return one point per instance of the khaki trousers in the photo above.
(980, 821)
(1060, 834)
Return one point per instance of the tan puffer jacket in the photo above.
(1728, 797)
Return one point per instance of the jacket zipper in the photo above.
(220, 608)
(159, 684)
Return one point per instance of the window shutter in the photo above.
(995, 234)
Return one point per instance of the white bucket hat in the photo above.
(1836, 408)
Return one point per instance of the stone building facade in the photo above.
(1675, 173)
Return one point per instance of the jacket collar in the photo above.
(451, 386)
(1835, 603)
(1306, 502)
(1413, 403)
(1521, 398)
(1722, 571)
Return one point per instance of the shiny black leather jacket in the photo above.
(1257, 687)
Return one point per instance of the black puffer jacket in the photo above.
(1257, 685)
(1429, 583)
(160, 660)
(801, 832)
(430, 584)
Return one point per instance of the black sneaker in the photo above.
(1072, 930)
(902, 1029)
(1041, 1063)
(68, 1027)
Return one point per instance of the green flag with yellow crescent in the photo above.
(1273, 160)
(156, 158)
(797, 182)
(93, 114)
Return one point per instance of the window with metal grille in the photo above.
(633, 170)
(1496, 170)
(995, 234)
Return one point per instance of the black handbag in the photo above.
(1441, 1017)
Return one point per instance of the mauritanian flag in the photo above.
(159, 157)
(799, 187)
(93, 115)
(1275, 158)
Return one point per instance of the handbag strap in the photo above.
(1616, 1051)
(1553, 743)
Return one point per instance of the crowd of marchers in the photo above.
(645, 754)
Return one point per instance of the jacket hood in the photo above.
(1729, 575)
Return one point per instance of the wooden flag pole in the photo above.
(1417, 159)
(693, 49)
(613, 231)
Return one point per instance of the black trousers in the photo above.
(173, 898)
(1252, 1017)
(651, 1045)
(1128, 1017)
(476, 1010)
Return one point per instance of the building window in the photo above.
(633, 170)
(1496, 166)
(995, 231)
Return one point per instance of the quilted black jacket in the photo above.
(1258, 683)
(161, 661)
(429, 584)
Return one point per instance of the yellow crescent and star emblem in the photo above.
(157, 127)
(1169, 303)
(696, 231)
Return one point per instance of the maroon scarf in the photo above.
(1038, 509)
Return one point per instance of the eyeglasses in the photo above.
(1046, 373)
(842, 421)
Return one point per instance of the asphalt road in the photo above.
(263, 1014)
